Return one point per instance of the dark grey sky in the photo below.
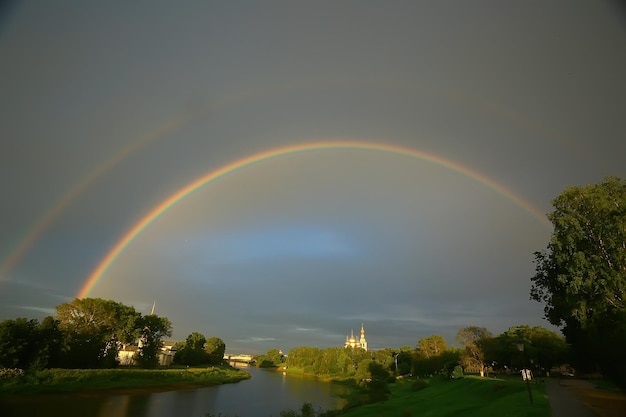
(109, 108)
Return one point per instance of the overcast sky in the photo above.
(109, 108)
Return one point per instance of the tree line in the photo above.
(90, 332)
(480, 351)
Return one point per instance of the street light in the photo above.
(525, 371)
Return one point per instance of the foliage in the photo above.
(28, 344)
(432, 346)
(307, 410)
(17, 343)
(153, 330)
(214, 350)
(191, 352)
(432, 354)
(419, 384)
(197, 349)
(472, 338)
(87, 333)
(335, 362)
(377, 384)
(581, 277)
(271, 359)
(543, 349)
(95, 329)
(71, 380)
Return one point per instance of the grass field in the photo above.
(76, 380)
(467, 397)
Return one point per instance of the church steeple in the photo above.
(352, 341)
(363, 342)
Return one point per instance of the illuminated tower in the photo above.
(352, 341)
(363, 342)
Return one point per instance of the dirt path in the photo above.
(603, 403)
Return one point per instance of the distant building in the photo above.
(126, 356)
(352, 341)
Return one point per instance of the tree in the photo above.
(377, 385)
(581, 277)
(271, 359)
(471, 339)
(432, 346)
(214, 349)
(192, 351)
(18, 340)
(431, 354)
(153, 330)
(50, 344)
(95, 329)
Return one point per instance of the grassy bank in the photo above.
(81, 380)
(295, 371)
(468, 397)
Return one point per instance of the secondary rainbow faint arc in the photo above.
(102, 267)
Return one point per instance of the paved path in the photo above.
(563, 402)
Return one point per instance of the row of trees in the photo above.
(581, 275)
(89, 333)
(480, 350)
(543, 350)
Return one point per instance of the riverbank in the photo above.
(469, 396)
(294, 371)
(94, 381)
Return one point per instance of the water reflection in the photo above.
(265, 394)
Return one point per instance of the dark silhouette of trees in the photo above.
(197, 349)
(377, 388)
(153, 330)
(191, 351)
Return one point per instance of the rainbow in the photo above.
(129, 236)
(29, 238)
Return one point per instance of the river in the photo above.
(266, 394)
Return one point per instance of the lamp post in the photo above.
(525, 371)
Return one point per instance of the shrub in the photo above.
(419, 384)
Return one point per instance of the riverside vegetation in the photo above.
(94, 380)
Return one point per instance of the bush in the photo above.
(419, 384)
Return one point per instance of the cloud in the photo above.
(46, 311)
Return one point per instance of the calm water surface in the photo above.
(266, 394)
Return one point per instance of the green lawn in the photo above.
(74, 380)
(467, 397)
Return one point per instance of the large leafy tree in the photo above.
(581, 276)
(191, 352)
(432, 354)
(432, 346)
(472, 339)
(95, 329)
(214, 349)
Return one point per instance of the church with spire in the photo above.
(352, 341)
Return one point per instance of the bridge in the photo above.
(241, 358)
